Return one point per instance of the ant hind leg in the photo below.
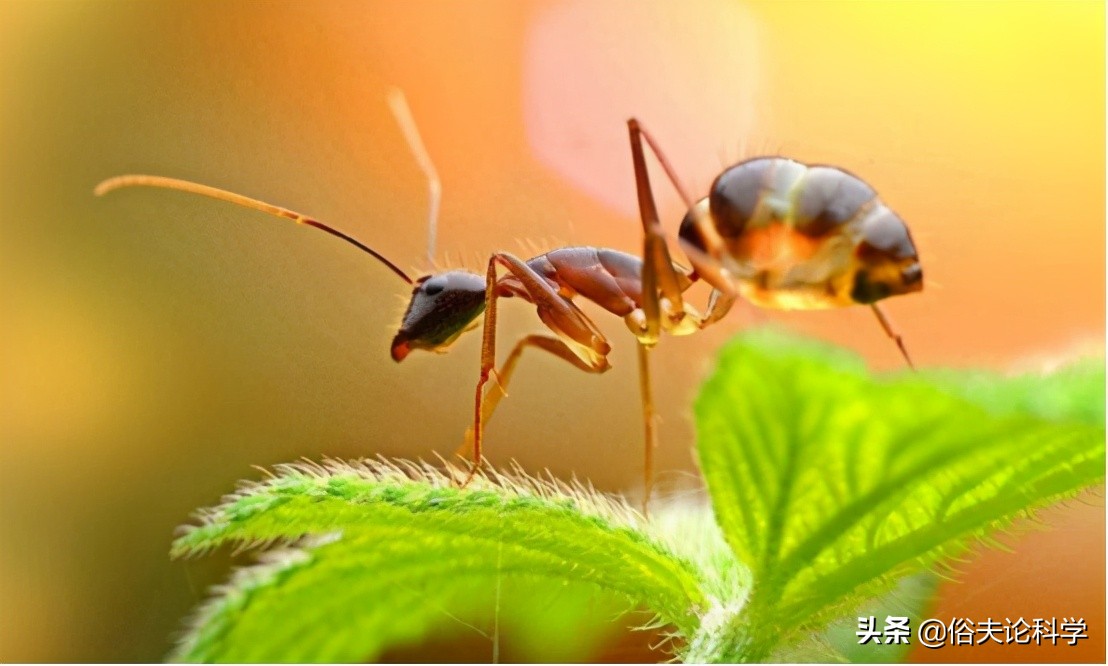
(891, 331)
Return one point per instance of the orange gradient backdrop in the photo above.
(156, 345)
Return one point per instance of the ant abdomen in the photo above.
(801, 236)
(736, 193)
(813, 200)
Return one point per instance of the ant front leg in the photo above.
(580, 339)
(504, 376)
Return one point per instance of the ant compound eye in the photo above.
(434, 285)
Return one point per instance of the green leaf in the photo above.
(535, 620)
(1074, 392)
(830, 484)
(911, 598)
(395, 549)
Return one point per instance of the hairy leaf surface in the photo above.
(391, 552)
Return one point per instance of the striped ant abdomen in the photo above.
(797, 236)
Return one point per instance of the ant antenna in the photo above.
(223, 195)
(399, 105)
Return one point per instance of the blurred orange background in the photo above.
(157, 345)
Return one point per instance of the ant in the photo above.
(776, 232)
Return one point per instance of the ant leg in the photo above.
(891, 332)
(719, 304)
(659, 274)
(649, 432)
(577, 332)
(504, 375)
(488, 362)
(659, 279)
(705, 261)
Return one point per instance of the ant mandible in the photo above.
(776, 232)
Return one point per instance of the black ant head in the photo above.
(887, 262)
(443, 307)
